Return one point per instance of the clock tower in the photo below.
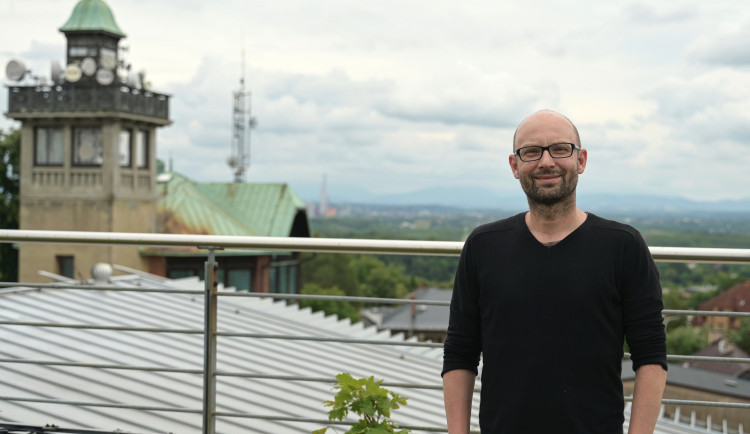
(88, 148)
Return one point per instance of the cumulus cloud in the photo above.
(710, 107)
(656, 14)
(727, 48)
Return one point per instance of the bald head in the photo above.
(544, 119)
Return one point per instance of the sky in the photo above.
(395, 96)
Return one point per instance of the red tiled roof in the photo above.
(735, 299)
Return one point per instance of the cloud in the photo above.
(728, 48)
(710, 107)
(650, 14)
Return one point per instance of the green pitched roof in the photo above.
(92, 15)
(187, 207)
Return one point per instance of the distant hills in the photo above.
(465, 197)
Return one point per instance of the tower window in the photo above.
(141, 149)
(66, 266)
(48, 146)
(125, 148)
(87, 147)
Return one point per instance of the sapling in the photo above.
(372, 403)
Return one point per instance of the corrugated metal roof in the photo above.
(182, 351)
(427, 318)
(694, 378)
(92, 15)
(247, 315)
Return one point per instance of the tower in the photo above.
(88, 147)
(239, 161)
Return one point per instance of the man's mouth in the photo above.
(547, 177)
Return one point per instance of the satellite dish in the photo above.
(108, 58)
(232, 161)
(56, 71)
(88, 66)
(133, 80)
(73, 73)
(15, 70)
(105, 77)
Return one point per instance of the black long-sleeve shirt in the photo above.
(549, 323)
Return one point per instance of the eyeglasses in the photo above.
(556, 150)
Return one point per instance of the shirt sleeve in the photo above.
(463, 343)
(642, 306)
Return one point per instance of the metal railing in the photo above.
(210, 292)
(78, 98)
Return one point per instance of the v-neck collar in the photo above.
(563, 241)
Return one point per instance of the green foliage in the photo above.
(372, 403)
(341, 308)
(329, 270)
(356, 275)
(741, 337)
(376, 279)
(427, 270)
(10, 154)
(686, 340)
(674, 298)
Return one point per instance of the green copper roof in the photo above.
(187, 207)
(92, 15)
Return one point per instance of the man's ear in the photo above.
(583, 157)
(513, 165)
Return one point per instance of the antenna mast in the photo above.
(239, 161)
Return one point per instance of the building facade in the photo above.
(88, 149)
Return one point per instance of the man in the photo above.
(547, 297)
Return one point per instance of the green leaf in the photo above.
(366, 398)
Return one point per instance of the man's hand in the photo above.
(458, 390)
(649, 388)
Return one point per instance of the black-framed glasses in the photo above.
(555, 150)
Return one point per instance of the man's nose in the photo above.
(546, 159)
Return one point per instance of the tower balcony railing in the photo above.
(24, 100)
(210, 333)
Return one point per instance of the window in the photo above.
(141, 149)
(87, 147)
(66, 266)
(48, 146)
(272, 280)
(125, 148)
(179, 274)
(293, 279)
(239, 278)
(283, 281)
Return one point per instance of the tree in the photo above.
(376, 279)
(343, 309)
(10, 154)
(741, 337)
(329, 270)
(686, 340)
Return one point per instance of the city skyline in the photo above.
(395, 97)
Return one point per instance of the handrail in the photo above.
(328, 245)
(435, 248)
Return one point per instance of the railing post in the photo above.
(209, 344)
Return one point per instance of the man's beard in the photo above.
(550, 195)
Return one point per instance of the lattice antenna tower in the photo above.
(243, 121)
